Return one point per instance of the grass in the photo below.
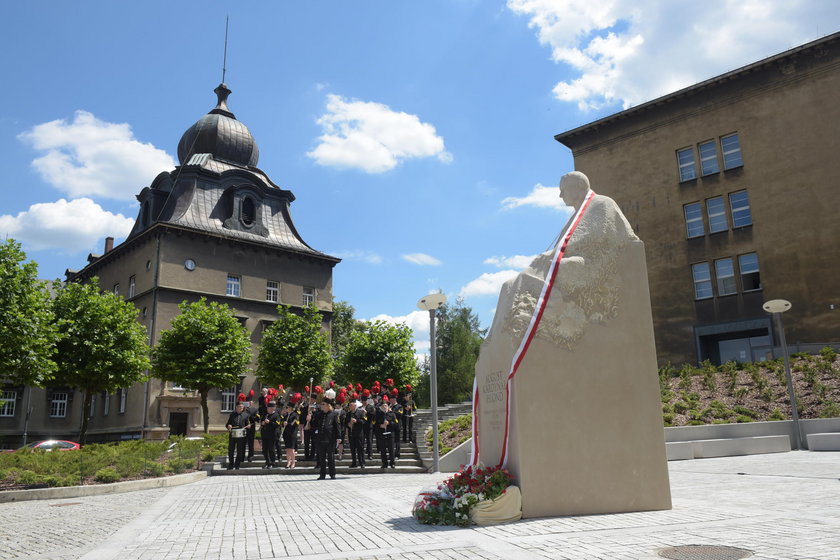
(451, 433)
(105, 463)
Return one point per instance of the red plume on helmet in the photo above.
(342, 391)
(366, 393)
(349, 386)
(355, 396)
(306, 389)
(280, 388)
(332, 383)
(408, 388)
(251, 394)
(340, 398)
(385, 398)
(359, 387)
(296, 398)
(394, 392)
(389, 382)
(241, 397)
(376, 389)
(318, 389)
(376, 383)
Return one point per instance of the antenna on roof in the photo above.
(224, 60)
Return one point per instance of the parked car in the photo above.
(50, 444)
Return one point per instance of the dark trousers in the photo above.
(249, 442)
(326, 457)
(269, 445)
(407, 427)
(357, 449)
(396, 438)
(308, 445)
(386, 448)
(369, 441)
(238, 445)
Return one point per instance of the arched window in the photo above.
(249, 212)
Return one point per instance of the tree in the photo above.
(459, 338)
(205, 348)
(377, 351)
(27, 330)
(101, 346)
(343, 325)
(294, 350)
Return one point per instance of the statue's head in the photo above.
(573, 188)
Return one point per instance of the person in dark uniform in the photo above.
(236, 424)
(308, 444)
(357, 424)
(254, 418)
(397, 409)
(385, 427)
(263, 401)
(326, 432)
(290, 434)
(269, 426)
(370, 409)
(408, 415)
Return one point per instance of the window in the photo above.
(121, 393)
(248, 212)
(739, 205)
(272, 291)
(308, 296)
(228, 399)
(708, 158)
(685, 159)
(131, 286)
(750, 279)
(117, 289)
(7, 403)
(702, 280)
(725, 274)
(106, 403)
(92, 406)
(716, 210)
(731, 148)
(233, 285)
(58, 405)
(694, 220)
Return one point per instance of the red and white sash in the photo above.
(519, 355)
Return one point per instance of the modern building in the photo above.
(732, 185)
(216, 227)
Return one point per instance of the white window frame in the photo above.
(698, 291)
(234, 286)
(58, 404)
(117, 288)
(106, 404)
(689, 222)
(726, 285)
(310, 295)
(122, 393)
(9, 399)
(743, 208)
(687, 169)
(718, 213)
(92, 410)
(731, 153)
(272, 291)
(749, 271)
(709, 163)
(229, 395)
(132, 286)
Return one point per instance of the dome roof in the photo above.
(219, 133)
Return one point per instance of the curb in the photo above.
(100, 489)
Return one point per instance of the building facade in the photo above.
(216, 227)
(732, 185)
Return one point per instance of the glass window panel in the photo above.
(272, 291)
(750, 277)
(233, 285)
(7, 398)
(694, 220)
(308, 296)
(685, 160)
(716, 210)
(228, 399)
(58, 405)
(739, 205)
(725, 274)
(132, 285)
(702, 280)
(731, 148)
(708, 158)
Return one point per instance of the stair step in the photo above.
(256, 471)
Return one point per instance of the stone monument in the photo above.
(582, 411)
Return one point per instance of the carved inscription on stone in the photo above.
(493, 396)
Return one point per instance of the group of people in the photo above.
(324, 424)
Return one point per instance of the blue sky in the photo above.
(416, 136)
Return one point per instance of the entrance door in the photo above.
(178, 423)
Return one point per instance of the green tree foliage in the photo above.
(377, 351)
(294, 350)
(27, 331)
(205, 348)
(459, 338)
(344, 324)
(101, 346)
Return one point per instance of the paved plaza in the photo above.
(783, 506)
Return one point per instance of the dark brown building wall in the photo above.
(787, 117)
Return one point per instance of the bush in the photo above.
(154, 470)
(830, 410)
(107, 474)
(776, 415)
(28, 478)
(177, 466)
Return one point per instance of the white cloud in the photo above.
(91, 157)
(372, 137)
(422, 259)
(540, 196)
(364, 256)
(417, 321)
(625, 52)
(74, 226)
(516, 261)
(489, 283)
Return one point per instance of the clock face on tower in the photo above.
(189, 264)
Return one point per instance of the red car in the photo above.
(50, 444)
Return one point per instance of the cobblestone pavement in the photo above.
(783, 506)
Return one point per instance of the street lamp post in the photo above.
(431, 303)
(777, 307)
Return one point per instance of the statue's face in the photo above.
(572, 192)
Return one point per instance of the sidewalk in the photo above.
(782, 506)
